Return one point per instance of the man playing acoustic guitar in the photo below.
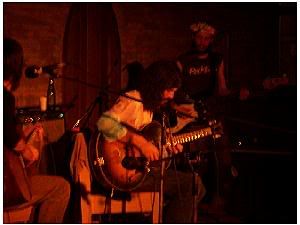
(123, 124)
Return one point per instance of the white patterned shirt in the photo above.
(127, 111)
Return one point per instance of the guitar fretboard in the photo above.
(191, 136)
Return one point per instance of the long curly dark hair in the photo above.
(12, 61)
(135, 71)
(158, 77)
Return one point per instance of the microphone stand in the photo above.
(194, 191)
(162, 168)
(89, 111)
(217, 173)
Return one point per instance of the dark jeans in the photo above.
(178, 187)
(178, 193)
(216, 155)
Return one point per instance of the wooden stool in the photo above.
(140, 202)
(93, 204)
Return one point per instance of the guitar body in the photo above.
(106, 160)
(121, 166)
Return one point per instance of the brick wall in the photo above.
(148, 31)
(39, 27)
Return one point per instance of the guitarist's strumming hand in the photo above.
(148, 149)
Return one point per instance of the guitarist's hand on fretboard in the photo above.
(174, 148)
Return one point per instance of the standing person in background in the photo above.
(49, 193)
(203, 80)
(202, 68)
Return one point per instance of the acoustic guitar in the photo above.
(17, 172)
(121, 166)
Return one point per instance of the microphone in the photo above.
(131, 163)
(53, 70)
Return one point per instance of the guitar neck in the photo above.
(141, 162)
(191, 136)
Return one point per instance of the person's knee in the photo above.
(63, 186)
(66, 187)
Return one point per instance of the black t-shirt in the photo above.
(12, 132)
(199, 76)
